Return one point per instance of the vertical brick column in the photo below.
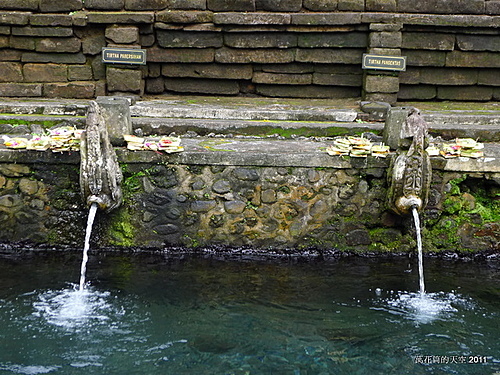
(123, 79)
(382, 85)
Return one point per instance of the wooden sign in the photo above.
(384, 62)
(124, 56)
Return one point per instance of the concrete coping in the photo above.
(259, 153)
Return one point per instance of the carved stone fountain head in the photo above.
(411, 172)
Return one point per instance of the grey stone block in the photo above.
(179, 16)
(47, 6)
(182, 39)
(104, 4)
(125, 80)
(468, 42)
(187, 4)
(468, 93)
(42, 31)
(338, 79)
(351, 5)
(58, 58)
(80, 73)
(19, 4)
(475, 59)
(385, 39)
(21, 89)
(321, 40)
(257, 18)
(45, 72)
(417, 92)
(222, 71)
(14, 18)
(261, 56)
(58, 45)
(180, 55)
(384, 84)
(260, 40)
(146, 4)
(155, 85)
(73, 90)
(320, 5)
(11, 72)
(116, 113)
(424, 58)
(283, 79)
(312, 91)
(326, 18)
(202, 86)
(123, 34)
(279, 5)
(381, 5)
(327, 55)
(231, 5)
(51, 20)
(430, 41)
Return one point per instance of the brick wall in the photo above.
(285, 48)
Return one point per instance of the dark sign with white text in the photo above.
(384, 62)
(124, 56)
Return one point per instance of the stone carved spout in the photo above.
(100, 173)
(411, 172)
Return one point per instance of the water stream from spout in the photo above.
(416, 221)
(88, 232)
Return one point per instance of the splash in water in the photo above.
(416, 221)
(88, 232)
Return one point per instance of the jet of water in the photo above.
(416, 221)
(88, 232)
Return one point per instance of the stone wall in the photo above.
(191, 205)
(286, 48)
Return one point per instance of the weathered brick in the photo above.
(257, 18)
(146, 4)
(51, 20)
(231, 5)
(326, 18)
(14, 18)
(492, 7)
(21, 89)
(188, 4)
(4, 30)
(488, 77)
(98, 67)
(381, 5)
(320, 5)
(410, 76)
(351, 5)
(180, 55)
(202, 86)
(478, 42)
(326, 55)
(312, 91)
(442, 6)
(385, 39)
(104, 4)
(448, 76)
(385, 97)
(58, 45)
(279, 5)
(121, 17)
(155, 85)
(47, 6)
(261, 56)
(384, 51)
(58, 58)
(260, 40)
(475, 59)
(11, 72)
(432, 41)
(424, 58)
(417, 92)
(45, 73)
(324, 40)
(19, 4)
(146, 40)
(93, 40)
(80, 73)
(282, 79)
(74, 90)
(10, 55)
(469, 93)
(125, 80)
(42, 31)
(292, 68)
(123, 34)
(179, 16)
(224, 71)
(385, 84)
(338, 79)
(181, 39)
(395, 26)
(4, 41)
(22, 42)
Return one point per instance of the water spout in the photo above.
(88, 232)
(416, 221)
(100, 173)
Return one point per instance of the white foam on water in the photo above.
(72, 307)
(28, 370)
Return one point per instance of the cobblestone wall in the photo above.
(285, 48)
(261, 207)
